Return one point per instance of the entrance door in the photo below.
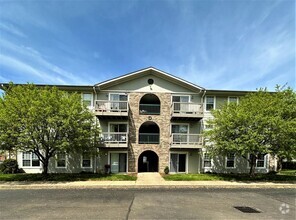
(178, 163)
(180, 103)
(117, 101)
(148, 162)
(118, 162)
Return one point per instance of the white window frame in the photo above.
(210, 159)
(179, 152)
(91, 161)
(91, 101)
(214, 104)
(117, 93)
(229, 97)
(118, 152)
(189, 97)
(30, 159)
(265, 162)
(117, 123)
(234, 162)
(57, 159)
(188, 125)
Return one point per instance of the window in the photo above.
(61, 159)
(35, 160)
(87, 99)
(261, 161)
(210, 103)
(86, 160)
(30, 160)
(230, 160)
(26, 159)
(207, 160)
(232, 99)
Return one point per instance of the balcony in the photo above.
(148, 138)
(149, 105)
(111, 108)
(149, 109)
(186, 141)
(185, 110)
(114, 139)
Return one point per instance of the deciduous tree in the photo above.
(45, 121)
(261, 123)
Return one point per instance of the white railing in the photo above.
(114, 137)
(111, 106)
(187, 108)
(186, 139)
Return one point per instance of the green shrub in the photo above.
(9, 166)
(166, 170)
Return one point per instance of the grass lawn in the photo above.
(66, 177)
(285, 175)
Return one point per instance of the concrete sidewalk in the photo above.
(144, 180)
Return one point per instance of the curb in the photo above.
(133, 185)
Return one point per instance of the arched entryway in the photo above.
(148, 162)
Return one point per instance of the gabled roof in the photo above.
(149, 70)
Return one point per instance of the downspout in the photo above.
(203, 143)
(95, 162)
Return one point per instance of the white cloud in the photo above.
(35, 58)
(21, 67)
(11, 29)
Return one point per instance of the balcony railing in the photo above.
(105, 107)
(148, 138)
(187, 109)
(149, 109)
(114, 139)
(186, 140)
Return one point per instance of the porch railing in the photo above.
(114, 137)
(186, 139)
(111, 106)
(148, 138)
(187, 108)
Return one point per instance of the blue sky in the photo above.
(237, 45)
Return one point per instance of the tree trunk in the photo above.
(45, 166)
(252, 165)
(280, 164)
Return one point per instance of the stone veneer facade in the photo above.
(136, 120)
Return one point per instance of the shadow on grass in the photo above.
(63, 177)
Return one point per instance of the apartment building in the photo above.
(149, 120)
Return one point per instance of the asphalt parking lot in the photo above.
(146, 203)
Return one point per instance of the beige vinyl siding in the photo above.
(141, 85)
(193, 162)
